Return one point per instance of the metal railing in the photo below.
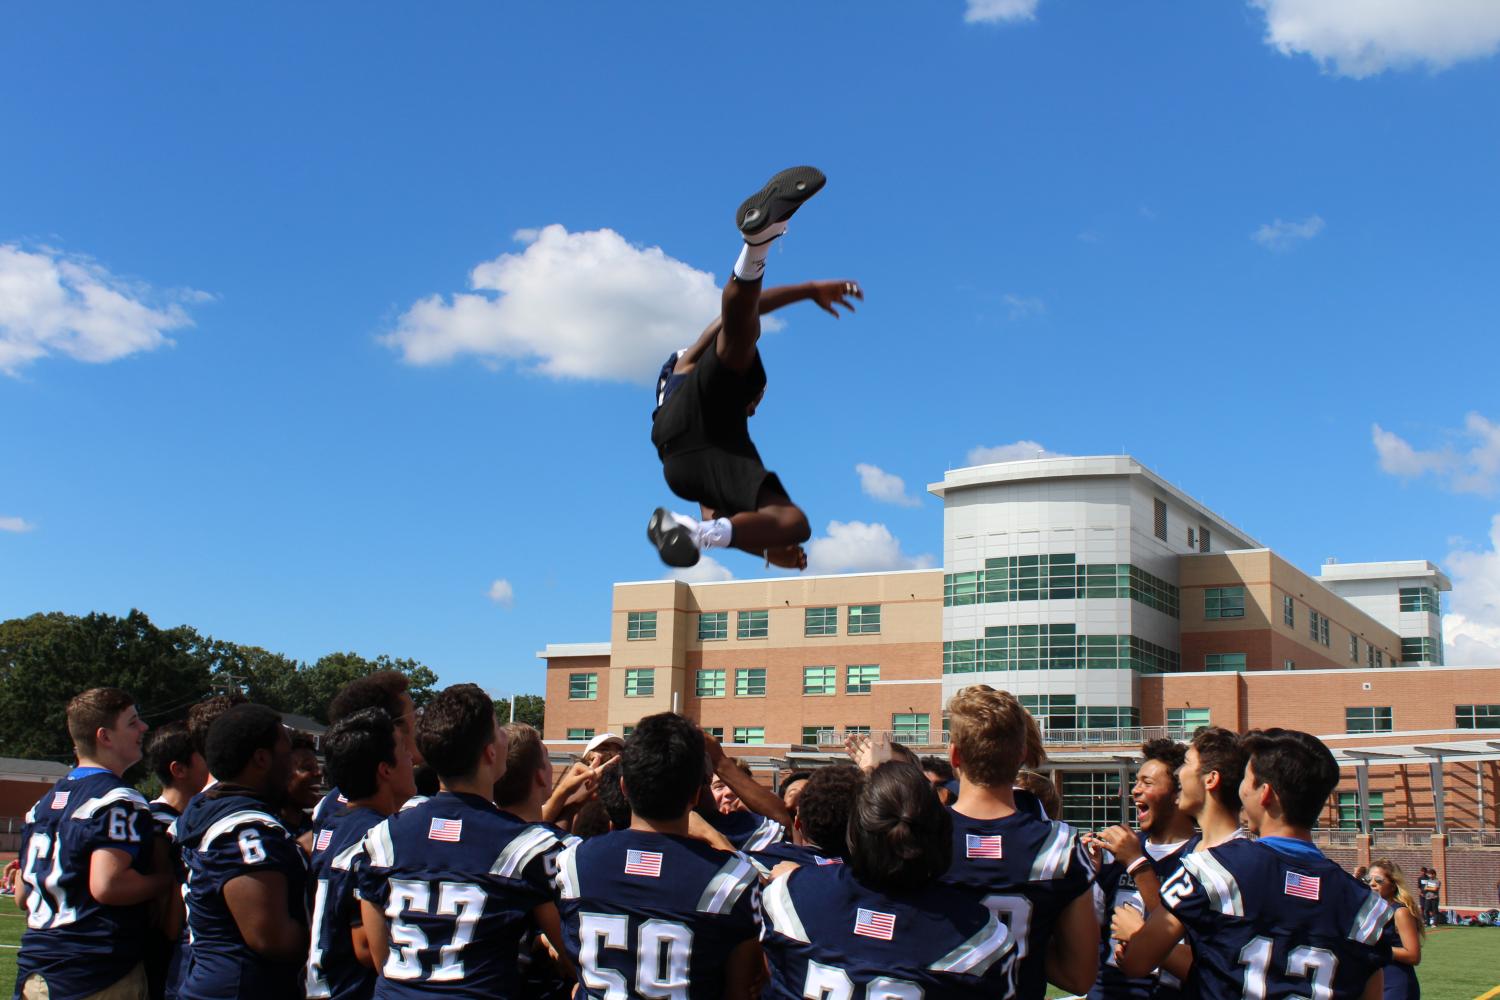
(1121, 736)
(920, 739)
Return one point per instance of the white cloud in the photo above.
(1283, 235)
(503, 594)
(857, 547)
(586, 305)
(996, 11)
(1013, 452)
(707, 570)
(15, 524)
(883, 486)
(1359, 38)
(1472, 470)
(52, 303)
(1471, 629)
(1024, 306)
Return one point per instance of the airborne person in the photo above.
(707, 393)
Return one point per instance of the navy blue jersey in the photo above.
(1271, 923)
(747, 831)
(1117, 888)
(337, 855)
(827, 935)
(328, 806)
(226, 833)
(78, 945)
(164, 958)
(651, 914)
(774, 854)
(450, 872)
(1036, 867)
(542, 977)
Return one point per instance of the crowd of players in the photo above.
(657, 867)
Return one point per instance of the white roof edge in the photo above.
(558, 650)
(1386, 570)
(785, 579)
(1067, 467)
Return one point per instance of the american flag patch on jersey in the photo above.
(873, 923)
(646, 863)
(60, 800)
(988, 846)
(1305, 886)
(324, 839)
(827, 861)
(448, 830)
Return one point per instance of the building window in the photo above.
(580, 734)
(856, 730)
(1159, 518)
(1289, 611)
(911, 727)
(1057, 577)
(1317, 627)
(1184, 722)
(858, 677)
(1056, 647)
(1288, 664)
(1349, 810)
(810, 734)
(750, 682)
(1367, 720)
(752, 624)
(640, 625)
(713, 625)
(1203, 539)
(820, 680)
(1476, 716)
(1052, 711)
(755, 735)
(1192, 537)
(1353, 648)
(1422, 649)
(1419, 599)
(640, 682)
(717, 732)
(864, 619)
(820, 621)
(710, 683)
(1379, 658)
(1091, 799)
(1108, 717)
(583, 687)
(1227, 662)
(1224, 602)
(629, 731)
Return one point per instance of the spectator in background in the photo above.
(1043, 790)
(1406, 953)
(1428, 886)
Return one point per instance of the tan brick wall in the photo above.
(563, 713)
(1263, 633)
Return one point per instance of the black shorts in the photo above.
(702, 436)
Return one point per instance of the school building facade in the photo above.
(1117, 608)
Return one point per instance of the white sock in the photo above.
(752, 260)
(713, 534)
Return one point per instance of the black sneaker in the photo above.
(674, 543)
(779, 199)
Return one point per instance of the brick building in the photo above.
(1117, 608)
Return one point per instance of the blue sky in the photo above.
(319, 322)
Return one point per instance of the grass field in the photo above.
(1458, 963)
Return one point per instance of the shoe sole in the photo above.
(673, 542)
(779, 199)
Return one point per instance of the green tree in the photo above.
(530, 709)
(46, 659)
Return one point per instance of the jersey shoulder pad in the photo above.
(1219, 883)
(530, 843)
(1055, 852)
(235, 821)
(780, 910)
(121, 795)
(728, 884)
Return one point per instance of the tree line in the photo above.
(45, 659)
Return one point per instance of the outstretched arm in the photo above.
(827, 294)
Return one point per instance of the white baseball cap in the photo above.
(600, 740)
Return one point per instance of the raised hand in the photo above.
(828, 294)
